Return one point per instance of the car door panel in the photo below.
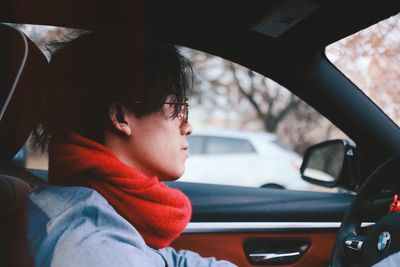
(221, 203)
(230, 246)
(225, 218)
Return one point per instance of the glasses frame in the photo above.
(183, 115)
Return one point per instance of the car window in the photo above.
(256, 130)
(231, 103)
(226, 145)
(20, 157)
(197, 144)
(371, 59)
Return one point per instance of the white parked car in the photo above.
(242, 158)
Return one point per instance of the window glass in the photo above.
(371, 59)
(231, 103)
(196, 144)
(226, 145)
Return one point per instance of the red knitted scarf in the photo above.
(158, 212)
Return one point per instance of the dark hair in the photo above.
(97, 69)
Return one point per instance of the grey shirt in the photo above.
(391, 261)
(75, 226)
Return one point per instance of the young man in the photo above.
(114, 133)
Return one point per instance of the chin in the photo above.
(172, 176)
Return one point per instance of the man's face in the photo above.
(158, 144)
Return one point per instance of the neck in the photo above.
(120, 147)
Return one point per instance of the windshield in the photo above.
(371, 59)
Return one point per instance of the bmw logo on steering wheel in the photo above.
(383, 241)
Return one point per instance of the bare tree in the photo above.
(370, 58)
(251, 95)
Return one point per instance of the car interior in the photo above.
(23, 63)
(247, 226)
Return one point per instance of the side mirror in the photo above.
(330, 163)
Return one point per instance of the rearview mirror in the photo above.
(329, 163)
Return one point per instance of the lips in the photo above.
(185, 146)
(185, 149)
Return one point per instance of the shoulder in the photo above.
(59, 208)
(50, 205)
(54, 200)
(77, 225)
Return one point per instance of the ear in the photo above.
(118, 118)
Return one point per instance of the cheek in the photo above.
(159, 147)
(168, 157)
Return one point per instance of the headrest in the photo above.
(12, 192)
(23, 70)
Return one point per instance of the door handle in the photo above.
(267, 257)
(275, 250)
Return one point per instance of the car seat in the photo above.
(23, 70)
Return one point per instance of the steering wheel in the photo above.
(352, 248)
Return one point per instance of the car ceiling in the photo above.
(331, 21)
(209, 24)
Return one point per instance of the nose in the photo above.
(186, 128)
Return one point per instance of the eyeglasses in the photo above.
(183, 109)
